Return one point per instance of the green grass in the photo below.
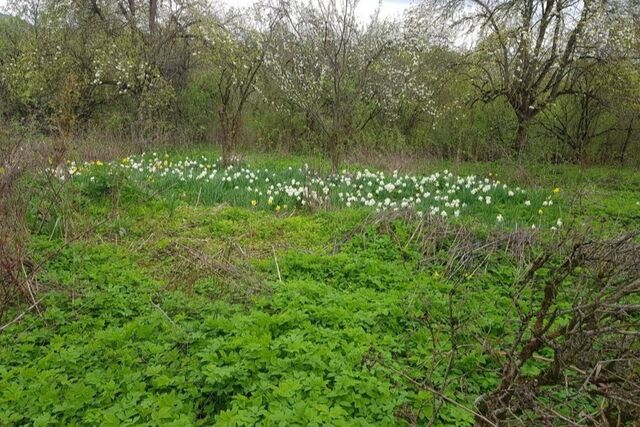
(179, 310)
(201, 180)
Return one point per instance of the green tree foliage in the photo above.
(79, 61)
(552, 79)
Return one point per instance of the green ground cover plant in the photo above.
(166, 301)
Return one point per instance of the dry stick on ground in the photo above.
(20, 316)
(434, 391)
(198, 257)
(198, 200)
(223, 268)
(276, 260)
(164, 313)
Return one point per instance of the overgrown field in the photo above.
(175, 291)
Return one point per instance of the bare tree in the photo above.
(579, 119)
(523, 50)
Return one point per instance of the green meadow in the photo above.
(168, 299)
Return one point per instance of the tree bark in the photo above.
(229, 129)
(522, 137)
(625, 144)
(334, 150)
(153, 16)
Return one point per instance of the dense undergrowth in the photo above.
(160, 308)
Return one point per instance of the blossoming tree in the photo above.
(341, 73)
(234, 45)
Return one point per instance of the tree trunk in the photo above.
(522, 136)
(153, 16)
(334, 153)
(625, 144)
(228, 132)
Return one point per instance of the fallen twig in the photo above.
(17, 319)
(277, 266)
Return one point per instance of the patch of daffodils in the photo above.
(442, 194)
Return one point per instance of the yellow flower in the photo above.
(284, 206)
(540, 211)
(278, 208)
(253, 203)
(99, 163)
(556, 190)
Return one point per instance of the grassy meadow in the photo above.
(176, 292)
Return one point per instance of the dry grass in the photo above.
(15, 279)
(188, 263)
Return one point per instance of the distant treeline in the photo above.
(547, 80)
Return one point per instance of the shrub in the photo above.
(14, 282)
